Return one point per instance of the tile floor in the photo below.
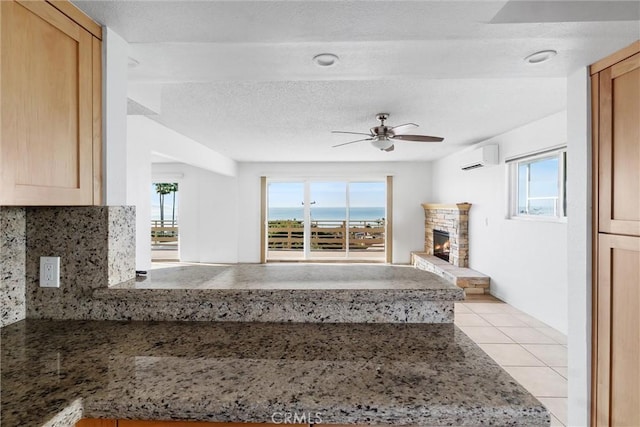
(531, 351)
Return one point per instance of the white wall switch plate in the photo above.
(49, 271)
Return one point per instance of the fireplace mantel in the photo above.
(453, 219)
(460, 206)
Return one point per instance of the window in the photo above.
(538, 185)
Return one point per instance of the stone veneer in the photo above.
(453, 219)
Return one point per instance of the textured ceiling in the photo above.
(238, 76)
(291, 120)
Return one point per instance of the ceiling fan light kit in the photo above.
(383, 137)
(382, 143)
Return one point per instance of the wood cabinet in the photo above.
(618, 147)
(50, 89)
(618, 376)
(615, 84)
(135, 423)
(88, 422)
(95, 422)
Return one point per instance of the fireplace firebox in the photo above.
(441, 245)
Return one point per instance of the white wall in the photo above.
(527, 260)
(145, 136)
(220, 215)
(138, 168)
(207, 213)
(115, 53)
(579, 205)
(182, 149)
(411, 187)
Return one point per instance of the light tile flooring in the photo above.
(533, 353)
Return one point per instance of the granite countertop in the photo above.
(55, 372)
(351, 293)
(317, 277)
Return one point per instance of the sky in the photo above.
(168, 204)
(327, 194)
(543, 183)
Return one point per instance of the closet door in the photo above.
(616, 291)
(619, 148)
(618, 311)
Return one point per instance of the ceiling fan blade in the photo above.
(393, 147)
(350, 133)
(418, 138)
(398, 130)
(351, 142)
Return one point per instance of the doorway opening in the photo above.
(165, 235)
(322, 220)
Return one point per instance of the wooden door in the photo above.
(46, 139)
(618, 354)
(619, 148)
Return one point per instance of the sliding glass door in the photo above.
(285, 221)
(328, 201)
(326, 220)
(367, 220)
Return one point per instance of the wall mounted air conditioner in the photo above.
(481, 157)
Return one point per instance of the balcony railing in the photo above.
(164, 231)
(332, 235)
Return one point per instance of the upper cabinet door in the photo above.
(46, 139)
(619, 148)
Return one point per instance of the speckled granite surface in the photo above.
(122, 244)
(417, 374)
(12, 264)
(282, 293)
(96, 245)
(296, 276)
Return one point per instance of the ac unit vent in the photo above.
(468, 168)
(484, 156)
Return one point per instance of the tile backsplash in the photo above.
(96, 246)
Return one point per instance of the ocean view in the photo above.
(317, 213)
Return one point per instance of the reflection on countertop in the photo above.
(287, 276)
(395, 374)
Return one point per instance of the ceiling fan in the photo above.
(383, 137)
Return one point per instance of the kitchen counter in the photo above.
(56, 372)
(333, 293)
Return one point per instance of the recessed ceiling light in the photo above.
(539, 57)
(325, 59)
(132, 63)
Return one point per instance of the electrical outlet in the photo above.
(49, 271)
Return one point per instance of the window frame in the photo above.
(514, 164)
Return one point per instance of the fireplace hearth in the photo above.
(441, 244)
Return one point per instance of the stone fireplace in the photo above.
(451, 220)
